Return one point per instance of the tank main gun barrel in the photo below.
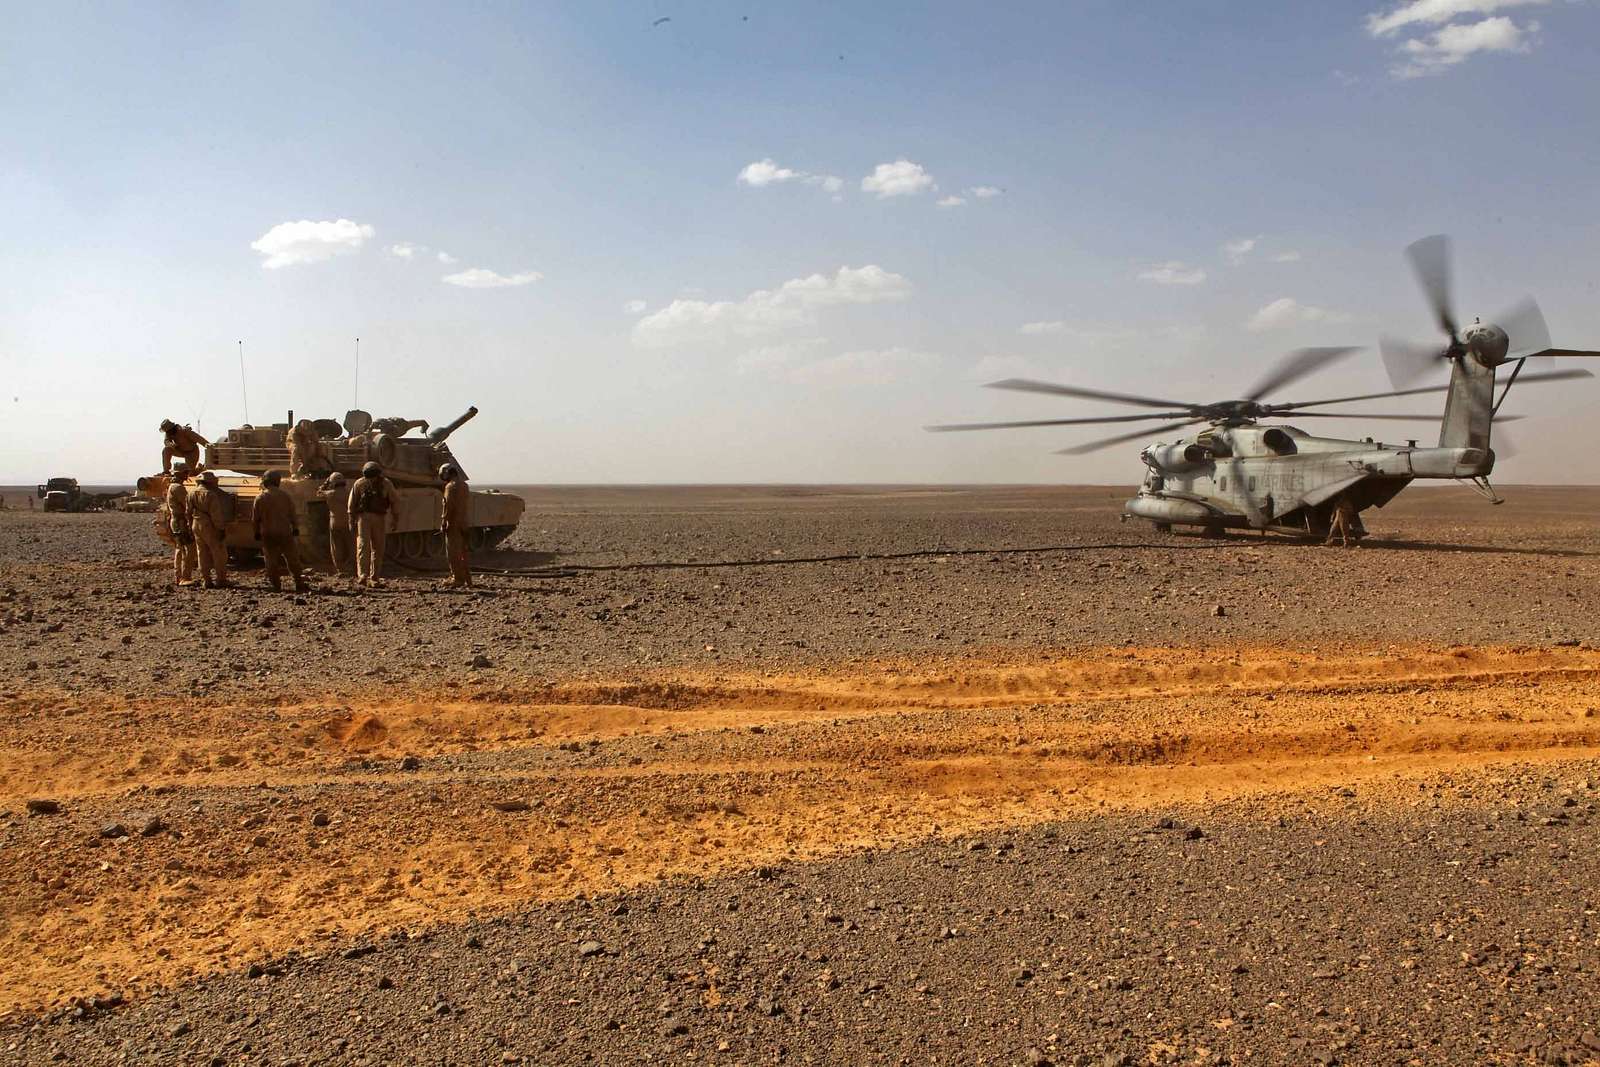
(438, 436)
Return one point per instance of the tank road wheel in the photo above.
(414, 544)
(478, 538)
(435, 545)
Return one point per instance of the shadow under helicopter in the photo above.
(1234, 537)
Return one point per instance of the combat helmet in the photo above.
(447, 472)
(370, 469)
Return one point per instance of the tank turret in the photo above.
(406, 460)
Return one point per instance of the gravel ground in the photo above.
(1325, 910)
(84, 602)
(1457, 927)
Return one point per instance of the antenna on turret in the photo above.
(355, 394)
(243, 394)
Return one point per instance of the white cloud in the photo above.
(766, 311)
(1237, 251)
(867, 367)
(986, 192)
(765, 172)
(447, 259)
(1173, 272)
(1040, 329)
(900, 178)
(479, 278)
(1290, 256)
(952, 201)
(1459, 42)
(290, 243)
(635, 307)
(403, 250)
(1288, 311)
(1437, 12)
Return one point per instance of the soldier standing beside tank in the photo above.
(457, 509)
(207, 520)
(375, 509)
(276, 528)
(183, 552)
(180, 442)
(341, 539)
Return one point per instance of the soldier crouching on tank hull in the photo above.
(277, 529)
(180, 442)
(375, 510)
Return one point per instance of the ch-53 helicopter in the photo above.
(1238, 473)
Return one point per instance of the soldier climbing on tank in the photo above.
(305, 450)
(375, 509)
(183, 551)
(335, 492)
(180, 442)
(457, 517)
(277, 528)
(208, 520)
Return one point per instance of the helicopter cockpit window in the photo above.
(1216, 444)
(1280, 442)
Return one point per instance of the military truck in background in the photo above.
(65, 494)
(244, 453)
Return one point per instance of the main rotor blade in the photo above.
(1294, 366)
(1025, 385)
(1564, 353)
(1551, 376)
(1107, 442)
(1406, 361)
(948, 427)
(1435, 417)
(1430, 260)
(1525, 329)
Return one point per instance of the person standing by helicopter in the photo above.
(1344, 523)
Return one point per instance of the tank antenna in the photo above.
(355, 397)
(243, 394)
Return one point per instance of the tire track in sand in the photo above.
(291, 824)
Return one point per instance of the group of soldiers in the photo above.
(360, 517)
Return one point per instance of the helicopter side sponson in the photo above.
(1282, 478)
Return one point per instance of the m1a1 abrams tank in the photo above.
(243, 454)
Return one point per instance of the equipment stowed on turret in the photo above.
(244, 453)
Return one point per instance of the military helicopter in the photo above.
(1237, 473)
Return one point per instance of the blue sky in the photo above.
(1155, 197)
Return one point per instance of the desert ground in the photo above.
(814, 775)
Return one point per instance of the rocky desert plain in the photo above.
(814, 775)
